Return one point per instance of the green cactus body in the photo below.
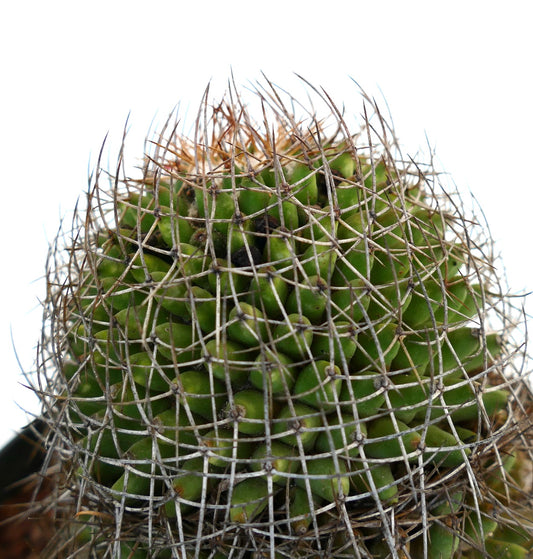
(276, 370)
(297, 425)
(279, 458)
(281, 343)
(301, 510)
(318, 384)
(326, 481)
(383, 480)
(249, 499)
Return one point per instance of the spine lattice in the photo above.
(283, 339)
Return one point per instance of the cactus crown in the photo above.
(284, 340)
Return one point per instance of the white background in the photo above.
(455, 75)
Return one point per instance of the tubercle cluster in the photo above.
(277, 345)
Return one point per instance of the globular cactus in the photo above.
(284, 339)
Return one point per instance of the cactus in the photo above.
(284, 340)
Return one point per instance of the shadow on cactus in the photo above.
(284, 339)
